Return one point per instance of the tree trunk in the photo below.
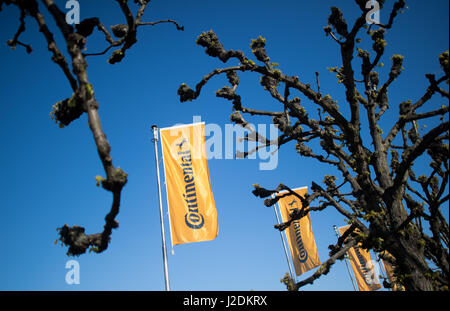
(410, 261)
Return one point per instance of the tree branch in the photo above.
(325, 267)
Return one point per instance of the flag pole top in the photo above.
(155, 132)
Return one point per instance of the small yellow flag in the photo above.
(192, 210)
(390, 273)
(299, 234)
(362, 266)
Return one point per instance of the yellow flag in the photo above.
(362, 266)
(192, 210)
(299, 234)
(390, 274)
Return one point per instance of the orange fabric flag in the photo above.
(299, 234)
(362, 266)
(390, 273)
(192, 210)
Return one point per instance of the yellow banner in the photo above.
(363, 268)
(390, 273)
(299, 234)
(192, 210)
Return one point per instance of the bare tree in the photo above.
(83, 98)
(388, 204)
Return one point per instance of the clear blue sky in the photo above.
(48, 173)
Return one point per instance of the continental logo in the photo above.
(302, 252)
(364, 267)
(193, 218)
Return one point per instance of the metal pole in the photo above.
(163, 235)
(383, 271)
(346, 259)
(284, 243)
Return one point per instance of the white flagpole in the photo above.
(284, 243)
(163, 236)
(346, 259)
